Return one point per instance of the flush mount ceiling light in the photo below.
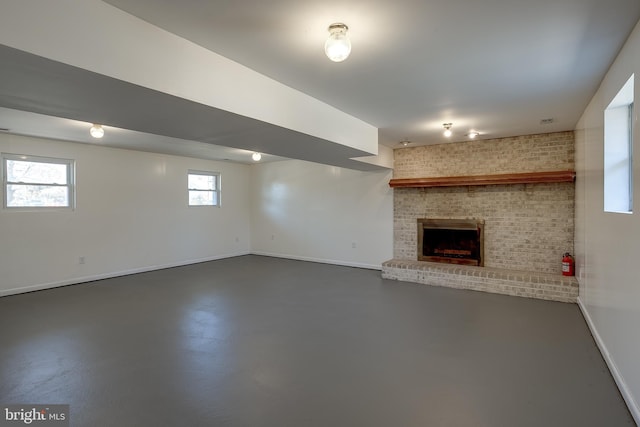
(338, 46)
(96, 131)
(405, 142)
(472, 134)
(447, 129)
(256, 157)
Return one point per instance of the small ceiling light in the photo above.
(256, 157)
(96, 131)
(447, 129)
(338, 46)
(405, 142)
(472, 134)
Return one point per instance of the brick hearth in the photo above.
(500, 281)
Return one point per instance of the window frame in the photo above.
(619, 122)
(217, 190)
(630, 159)
(70, 185)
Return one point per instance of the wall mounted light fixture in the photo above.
(96, 131)
(447, 129)
(338, 46)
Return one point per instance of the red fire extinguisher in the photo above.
(568, 265)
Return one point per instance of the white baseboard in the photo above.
(622, 385)
(320, 260)
(84, 279)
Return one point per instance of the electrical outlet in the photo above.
(81, 260)
(353, 245)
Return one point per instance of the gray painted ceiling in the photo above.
(495, 66)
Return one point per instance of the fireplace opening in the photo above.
(453, 241)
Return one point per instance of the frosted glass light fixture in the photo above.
(338, 46)
(256, 157)
(96, 131)
(447, 129)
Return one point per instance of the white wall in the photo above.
(608, 244)
(315, 212)
(131, 215)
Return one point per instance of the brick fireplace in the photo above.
(527, 227)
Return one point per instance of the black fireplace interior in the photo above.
(451, 241)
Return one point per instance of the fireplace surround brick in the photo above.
(528, 227)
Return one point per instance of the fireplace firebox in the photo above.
(453, 241)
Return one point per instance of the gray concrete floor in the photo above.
(257, 341)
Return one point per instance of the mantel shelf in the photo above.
(501, 179)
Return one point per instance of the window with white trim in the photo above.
(618, 151)
(37, 182)
(204, 188)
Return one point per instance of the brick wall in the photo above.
(529, 153)
(527, 226)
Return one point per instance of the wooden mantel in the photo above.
(508, 178)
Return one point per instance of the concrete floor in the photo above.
(256, 341)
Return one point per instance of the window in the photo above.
(204, 188)
(37, 182)
(618, 151)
